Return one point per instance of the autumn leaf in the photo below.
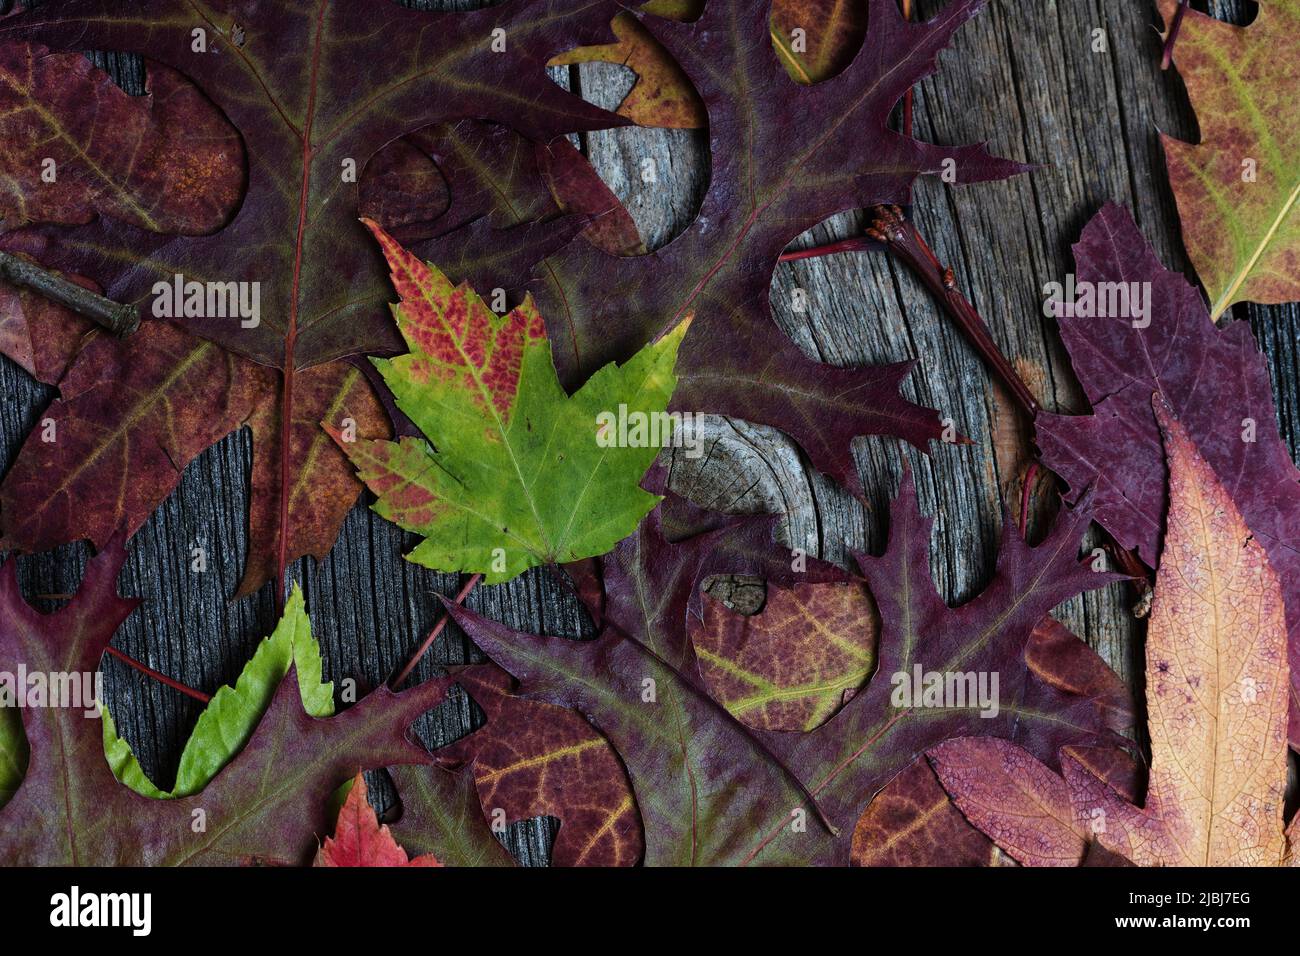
(232, 714)
(814, 40)
(712, 791)
(533, 759)
(911, 822)
(794, 664)
(167, 163)
(1216, 690)
(1217, 383)
(1238, 190)
(266, 804)
(177, 395)
(359, 840)
(1020, 803)
(662, 95)
(441, 816)
(292, 235)
(473, 177)
(523, 474)
(764, 191)
(1216, 705)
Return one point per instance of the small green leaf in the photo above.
(233, 713)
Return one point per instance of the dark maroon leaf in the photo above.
(712, 791)
(1216, 382)
(268, 804)
(785, 156)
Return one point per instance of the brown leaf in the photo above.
(1018, 801)
(76, 146)
(662, 95)
(130, 417)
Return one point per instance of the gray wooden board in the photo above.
(1022, 75)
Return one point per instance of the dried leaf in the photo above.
(764, 190)
(293, 235)
(794, 664)
(533, 759)
(662, 95)
(911, 822)
(712, 791)
(1021, 804)
(1217, 383)
(1216, 690)
(265, 805)
(1238, 190)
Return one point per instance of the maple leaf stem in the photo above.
(117, 317)
(160, 677)
(433, 635)
(286, 437)
(901, 237)
(1168, 56)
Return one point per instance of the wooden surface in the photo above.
(1022, 75)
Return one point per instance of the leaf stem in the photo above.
(162, 678)
(117, 317)
(859, 244)
(1168, 56)
(896, 233)
(900, 236)
(433, 635)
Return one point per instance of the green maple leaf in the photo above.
(515, 473)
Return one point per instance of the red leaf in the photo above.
(359, 840)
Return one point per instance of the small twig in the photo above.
(162, 678)
(118, 318)
(900, 236)
(1168, 56)
(433, 635)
